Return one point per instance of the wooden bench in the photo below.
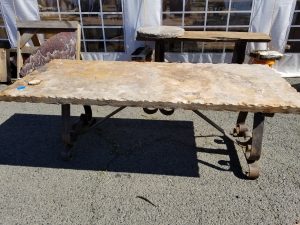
(239, 38)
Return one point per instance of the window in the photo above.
(207, 15)
(101, 21)
(3, 34)
(294, 36)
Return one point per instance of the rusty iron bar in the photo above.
(107, 117)
(215, 126)
(66, 117)
(254, 153)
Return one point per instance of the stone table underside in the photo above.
(232, 87)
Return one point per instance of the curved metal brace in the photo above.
(241, 128)
(150, 111)
(167, 112)
(253, 153)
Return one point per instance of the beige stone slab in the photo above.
(232, 87)
(160, 32)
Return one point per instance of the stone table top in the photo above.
(231, 87)
(160, 32)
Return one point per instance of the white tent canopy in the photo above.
(272, 17)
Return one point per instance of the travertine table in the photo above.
(230, 87)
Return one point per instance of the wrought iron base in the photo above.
(252, 141)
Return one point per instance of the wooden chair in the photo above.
(28, 31)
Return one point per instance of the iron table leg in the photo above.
(88, 112)
(253, 149)
(241, 129)
(239, 52)
(160, 57)
(159, 51)
(66, 131)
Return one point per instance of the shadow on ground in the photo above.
(120, 145)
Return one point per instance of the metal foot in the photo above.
(254, 146)
(253, 170)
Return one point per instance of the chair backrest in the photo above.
(65, 44)
(59, 46)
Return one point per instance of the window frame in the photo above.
(102, 27)
(293, 26)
(3, 27)
(206, 27)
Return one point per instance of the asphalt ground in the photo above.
(144, 169)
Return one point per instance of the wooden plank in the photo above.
(25, 38)
(47, 25)
(19, 55)
(3, 65)
(216, 36)
(29, 49)
(45, 30)
(25, 49)
(226, 36)
(232, 87)
(35, 40)
(78, 42)
(8, 66)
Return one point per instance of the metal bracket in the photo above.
(69, 133)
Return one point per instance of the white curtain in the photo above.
(289, 65)
(137, 13)
(17, 10)
(274, 17)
